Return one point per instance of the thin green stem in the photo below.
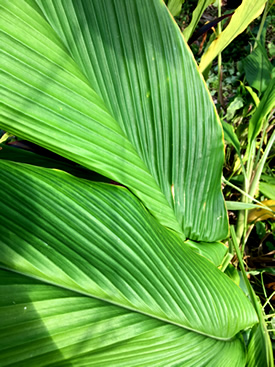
(270, 315)
(265, 294)
(261, 164)
(262, 281)
(240, 166)
(239, 256)
(262, 24)
(226, 262)
(268, 302)
(261, 145)
(242, 217)
(270, 4)
(245, 194)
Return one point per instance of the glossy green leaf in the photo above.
(242, 17)
(42, 324)
(98, 240)
(196, 16)
(113, 86)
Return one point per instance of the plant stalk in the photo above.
(261, 145)
(254, 300)
(220, 95)
(261, 164)
(260, 30)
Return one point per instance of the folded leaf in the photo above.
(42, 324)
(214, 252)
(98, 240)
(113, 86)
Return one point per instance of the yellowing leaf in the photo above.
(243, 16)
(256, 215)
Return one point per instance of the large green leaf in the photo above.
(45, 325)
(113, 86)
(242, 17)
(98, 240)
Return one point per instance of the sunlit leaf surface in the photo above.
(99, 242)
(112, 85)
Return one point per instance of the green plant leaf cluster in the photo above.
(95, 273)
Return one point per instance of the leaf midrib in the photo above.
(83, 293)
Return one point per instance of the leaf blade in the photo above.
(97, 239)
(258, 69)
(267, 103)
(114, 101)
(44, 323)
